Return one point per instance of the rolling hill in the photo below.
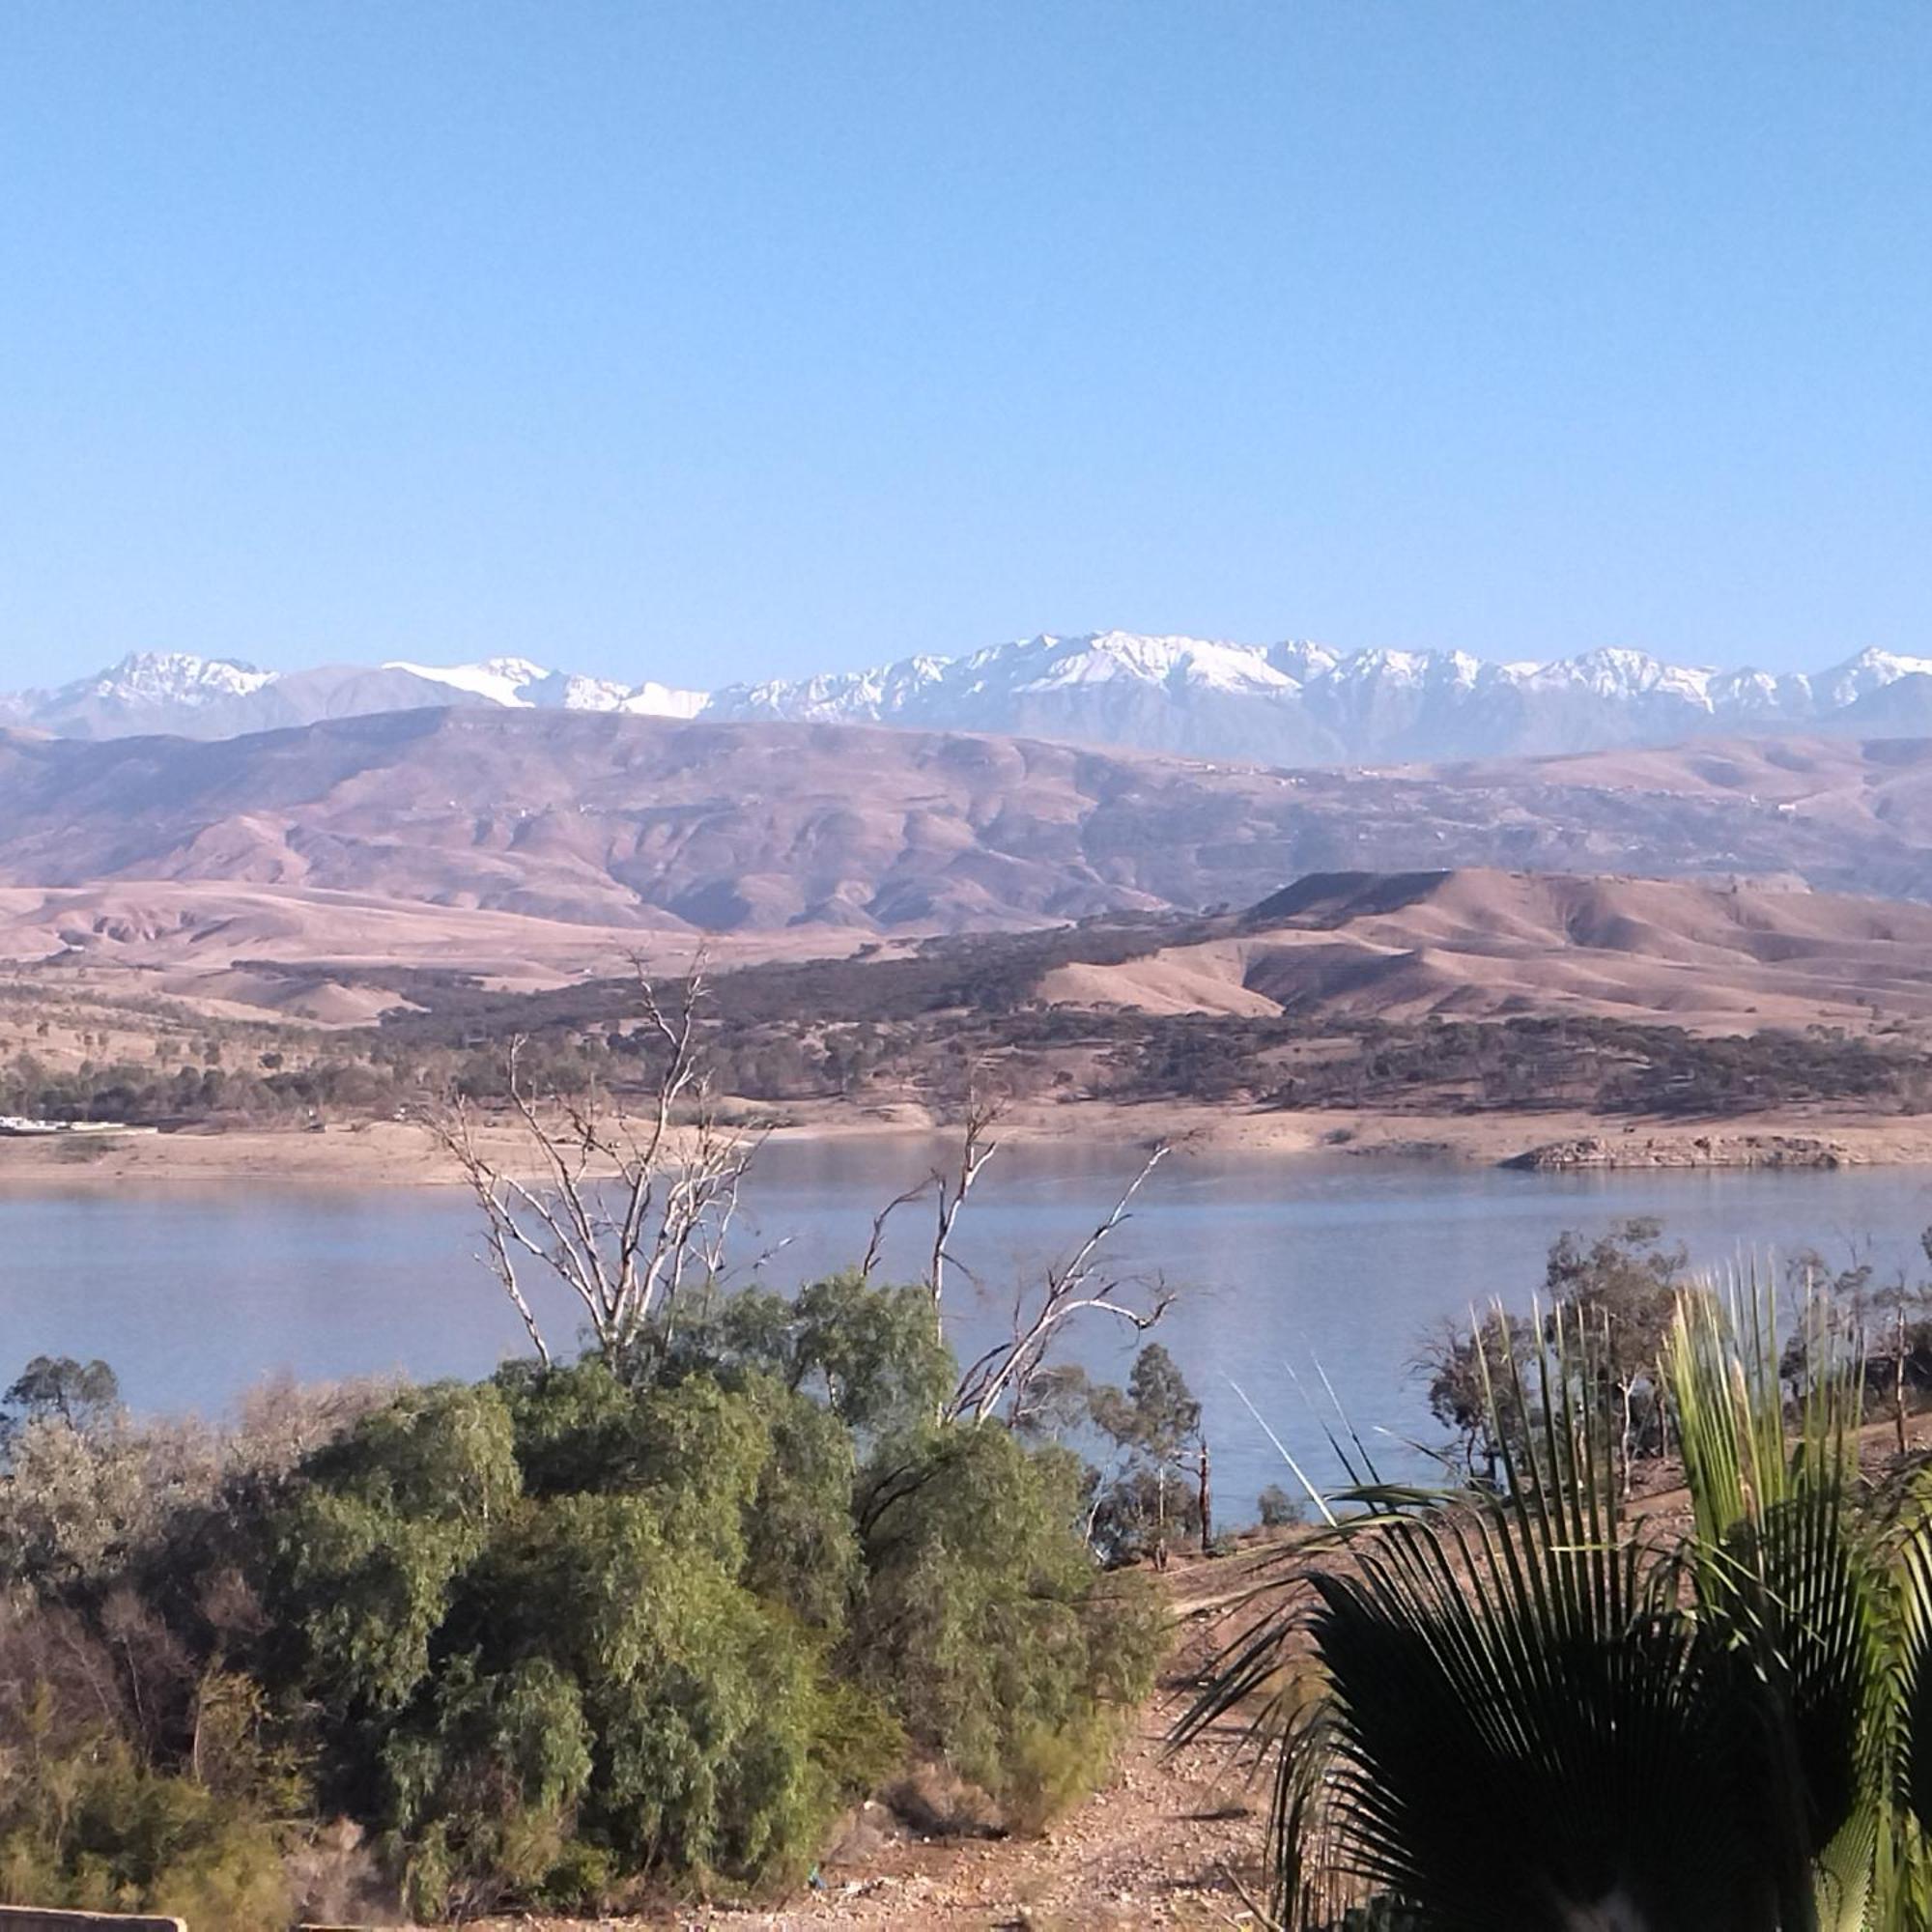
(1482, 944)
(835, 834)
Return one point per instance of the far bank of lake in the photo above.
(382, 1153)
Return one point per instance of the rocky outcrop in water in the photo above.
(1600, 1151)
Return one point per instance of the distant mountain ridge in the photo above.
(1295, 703)
(176, 694)
(663, 825)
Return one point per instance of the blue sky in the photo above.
(720, 340)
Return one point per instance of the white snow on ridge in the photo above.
(1614, 672)
(176, 677)
(1116, 657)
(1868, 672)
(1287, 702)
(518, 684)
(500, 680)
(651, 699)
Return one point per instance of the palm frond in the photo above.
(1523, 1712)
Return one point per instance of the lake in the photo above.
(194, 1295)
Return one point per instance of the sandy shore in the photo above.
(394, 1154)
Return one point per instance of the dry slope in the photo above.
(1479, 943)
(659, 827)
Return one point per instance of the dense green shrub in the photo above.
(607, 1679)
(872, 1353)
(548, 1637)
(568, 1628)
(366, 1552)
(984, 1622)
(760, 1472)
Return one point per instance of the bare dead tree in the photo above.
(950, 1187)
(976, 1149)
(624, 1207)
(1069, 1289)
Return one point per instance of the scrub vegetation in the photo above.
(637, 1617)
(560, 1638)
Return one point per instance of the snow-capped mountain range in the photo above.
(1286, 703)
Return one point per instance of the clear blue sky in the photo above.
(718, 340)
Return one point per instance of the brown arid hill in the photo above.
(830, 836)
(639, 822)
(1871, 798)
(211, 942)
(1484, 944)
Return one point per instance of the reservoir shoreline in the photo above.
(397, 1153)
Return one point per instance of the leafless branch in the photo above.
(622, 1210)
(875, 1245)
(976, 1149)
(1070, 1288)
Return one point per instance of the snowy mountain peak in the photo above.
(1289, 702)
(651, 699)
(1613, 672)
(175, 677)
(520, 685)
(1872, 669)
(1300, 702)
(500, 680)
(1114, 655)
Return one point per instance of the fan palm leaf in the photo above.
(1530, 1711)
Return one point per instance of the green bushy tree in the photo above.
(639, 1621)
(984, 1623)
(365, 1554)
(569, 1626)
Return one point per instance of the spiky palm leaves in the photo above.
(1533, 1710)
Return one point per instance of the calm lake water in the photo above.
(193, 1295)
